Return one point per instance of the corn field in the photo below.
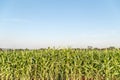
(60, 64)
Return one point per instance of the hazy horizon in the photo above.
(59, 23)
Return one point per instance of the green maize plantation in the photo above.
(60, 64)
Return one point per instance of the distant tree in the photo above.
(27, 49)
(96, 48)
(111, 47)
(0, 49)
(10, 50)
(48, 47)
(90, 47)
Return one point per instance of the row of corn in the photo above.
(60, 64)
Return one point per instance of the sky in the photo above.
(59, 23)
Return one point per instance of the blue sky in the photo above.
(60, 23)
